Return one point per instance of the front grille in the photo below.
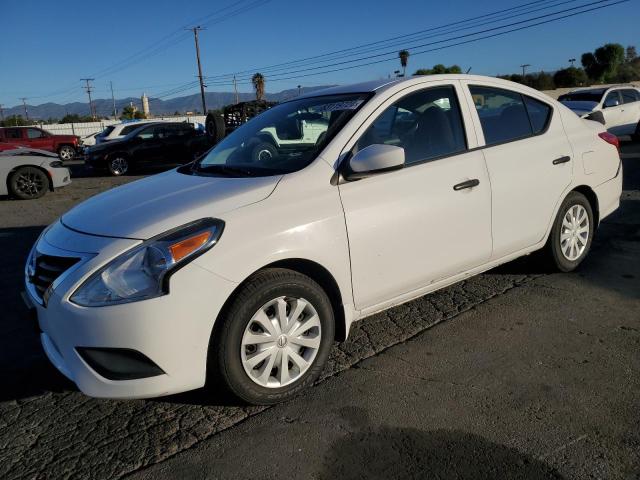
(47, 269)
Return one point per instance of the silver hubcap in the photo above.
(119, 166)
(66, 153)
(264, 155)
(574, 233)
(280, 342)
(29, 184)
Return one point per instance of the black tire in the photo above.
(215, 127)
(636, 134)
(66, 153)
(27, 183)
(118, 164)
(554, 250)
(263, 152)
(226, 342)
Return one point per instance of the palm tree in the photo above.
(404, 59)
(258, 85)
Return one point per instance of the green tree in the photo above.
(630, 54)
(13, 121)
(258, 85)
(438, 69)
(75, 118)
(602, 64)
(129, 112)
(404, 60)
(570, 77)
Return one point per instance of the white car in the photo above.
(120, 130)
(247, 270)
(28, 173)
(90, 140)
(299, 129)
(619, 106)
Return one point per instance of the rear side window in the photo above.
(630, 96)
(427, 124)
(539, 114)
(12, 133)
(502, 113)
(129, 128)
(506, 115)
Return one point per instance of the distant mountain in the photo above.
(190, 103)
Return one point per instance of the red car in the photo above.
(66, 146)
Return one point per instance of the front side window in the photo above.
(283, 139)
(629, 96)
(612, 100)
(156, 131)
(427, 124)
(33, 133)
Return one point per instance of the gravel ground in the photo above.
(49, 430)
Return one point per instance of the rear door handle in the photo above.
(468, 184)
(560, 160)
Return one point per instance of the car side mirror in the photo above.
(374, 159)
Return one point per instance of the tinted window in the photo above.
(129, 128)
(539, 114)
(13, 133)
(427, 124)
(502, 113)
(34, 133)
(582, 96)
(629, 96)
(613, 99)
(178, 131)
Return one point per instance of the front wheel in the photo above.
(118, 165)
(28, 183)
(66, 153)
(275, 337)
(572, 233)
(263, 153)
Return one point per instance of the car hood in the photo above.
(153, 205)
(580, 107)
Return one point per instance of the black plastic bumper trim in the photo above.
(119, 363)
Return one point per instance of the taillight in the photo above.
(610, 138)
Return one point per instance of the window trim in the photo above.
(344, 163)
(515, 139)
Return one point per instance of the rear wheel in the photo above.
(118, 165)
(263, 152)
(28, 183)
(572, 233)
(66, 153)
(276, 337)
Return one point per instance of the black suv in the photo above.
(165, 143)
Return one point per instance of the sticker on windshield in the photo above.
(337, 106)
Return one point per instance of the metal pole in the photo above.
(24, 103)
(88, 88)
(1, 113)
(113, 99)
(195, 37)
(235, 88)
(524, 68)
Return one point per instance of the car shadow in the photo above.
(391, 452)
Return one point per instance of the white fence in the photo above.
(84, 129)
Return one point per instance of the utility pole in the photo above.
(1, 113)
(24, 103)
(524, 67)
(113, 99)
(88, 88)
(235, 88)
(195, 31)
(299, 90)
(572, 61)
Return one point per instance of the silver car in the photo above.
(27, 173)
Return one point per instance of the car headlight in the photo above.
(56, 164)
(143, 272)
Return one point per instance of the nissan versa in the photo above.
(246, 268)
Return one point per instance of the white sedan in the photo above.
(27, 173)
(246, 270)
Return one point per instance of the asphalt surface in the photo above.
(512, 374)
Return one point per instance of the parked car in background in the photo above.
(149, 143)
(8, 146)
(120, 130)
(248, 270)
(27, 173)
(619, 106)
(66, 146)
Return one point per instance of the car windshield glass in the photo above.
(283, 139)
(106, 131)
(589, 96)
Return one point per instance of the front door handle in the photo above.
(468, 184)
(560, 160)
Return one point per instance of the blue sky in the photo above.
(48, 46)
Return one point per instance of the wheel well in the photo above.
(65, 145)
(318, 274)
(593, 201)
(14, 170)
(267, 138)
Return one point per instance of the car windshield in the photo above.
(586, 96)
(283, 139)
(106, 131)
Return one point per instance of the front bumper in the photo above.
(60, 176)
(172, 331)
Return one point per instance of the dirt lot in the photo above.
(512, 374)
